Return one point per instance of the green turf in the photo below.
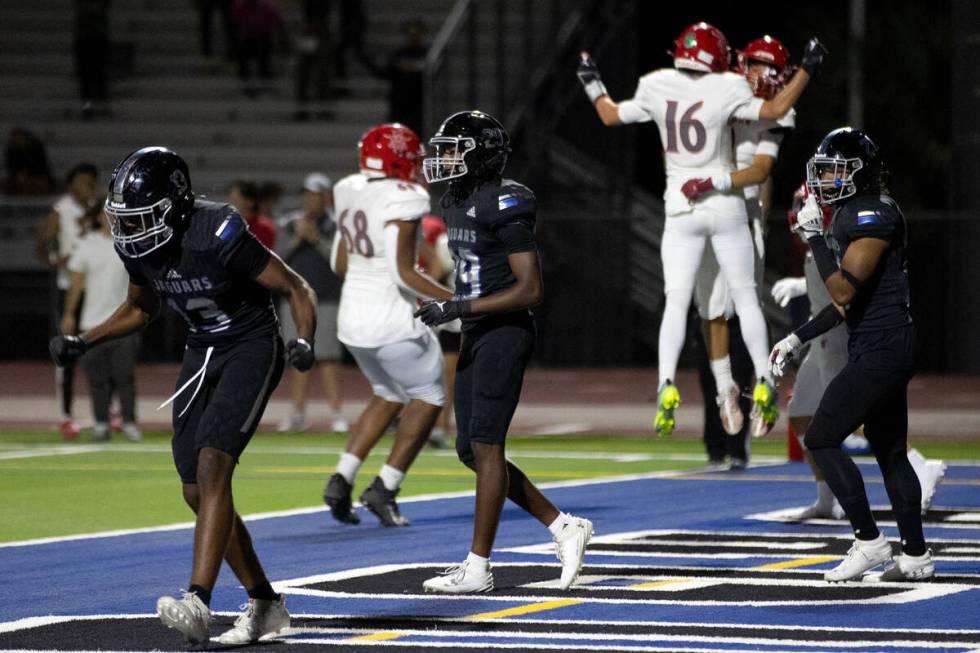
(130, 486)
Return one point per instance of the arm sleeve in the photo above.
(769, 142)
(238, 249)
(748, 110)
(820, 324)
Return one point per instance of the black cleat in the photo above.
(381, 501)
(337, 495)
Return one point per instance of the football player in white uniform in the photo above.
(824, 360)
(765, 64)
(378, 212)
(693, 105)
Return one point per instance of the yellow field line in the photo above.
(658, 583)
(376, 637)
(799, 562)
(526, 609)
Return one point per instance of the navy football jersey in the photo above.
(882, 302)
(209, 277)
(484, 228)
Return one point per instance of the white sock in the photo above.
(391, 477)
(348, 465)
(560, 522)
(479, 563)
(721, 368)
(825, 497)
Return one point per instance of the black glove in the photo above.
(299, 353)
(588, 74)
(433, 313)
(813, 55)
(66, 349)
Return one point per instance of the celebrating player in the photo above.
(864, 269)
(374, 251)
(765, 64)
(693, 104)
(825, 358)
(498, 279)
(202, 260)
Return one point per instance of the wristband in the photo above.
(595, 90)
(722, 182)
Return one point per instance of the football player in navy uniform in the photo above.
(490, 222)
(200, 258)
(863, 264)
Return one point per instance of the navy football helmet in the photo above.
(149, 195)
(846, 162)
(469, 144)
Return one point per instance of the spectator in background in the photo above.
(98, 272)
(28, 171)
(269, 195)
(257, 25)
(56, 242)
(404, 71)
(353, 25)
(313, 56)
(244, 196)
(206, 9)
(308, 251)
(91, 46)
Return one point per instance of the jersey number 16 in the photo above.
(692, 132)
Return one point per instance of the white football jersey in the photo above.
(373, 310)
(693, 113)
(763, 137)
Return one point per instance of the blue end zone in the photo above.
(125, 574)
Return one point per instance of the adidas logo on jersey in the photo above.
(471, 212)
(173, 274)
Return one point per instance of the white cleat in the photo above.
(863, 556)
(189, 615)
(570, 546)
(934, 472)
(259, 619)
(818, 511)
(729, 411)
(461, 579)
(908, 567)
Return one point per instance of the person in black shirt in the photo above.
(864, 267)
(490, 222)
(201, 259)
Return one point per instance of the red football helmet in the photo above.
(771, 52)
(799, 197)
(702, 47)
(391, 150)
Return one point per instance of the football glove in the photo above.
(434, 313)
(693, 188)
(809, 219)
(789, 288)
(784, 351)
(813, 54)
(66, 349)
(588, 74)
(299, 353)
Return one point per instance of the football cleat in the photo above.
(295, 422)
(765, 412)
(461, 579)
(729, 410)
(381, 501)
(667, 401)
(908, 567)
(863, 556)
(819, 511)
(189, 615)
(69, 429)
(935, 470)
(339, 424)
(570, 546)
(337, 495)
(260, 618)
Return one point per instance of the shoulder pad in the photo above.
(512, 199)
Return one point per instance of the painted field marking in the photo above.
(802, 562)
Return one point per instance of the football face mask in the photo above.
(449, 161)
(139, 231)
(831, 179)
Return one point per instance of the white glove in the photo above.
(787, 289)
(782, 353)
(809, 220)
